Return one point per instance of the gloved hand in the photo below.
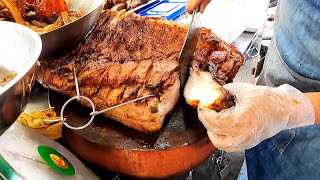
(260, 112)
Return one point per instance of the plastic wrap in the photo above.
(19, 149)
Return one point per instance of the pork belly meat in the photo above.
(127, 56)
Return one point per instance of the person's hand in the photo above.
(192, 4)
(260, 112)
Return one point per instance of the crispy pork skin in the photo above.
(127, 56)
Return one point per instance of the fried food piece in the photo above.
(47, 8)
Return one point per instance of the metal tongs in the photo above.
(189, 47)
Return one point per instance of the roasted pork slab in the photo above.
(127, 56)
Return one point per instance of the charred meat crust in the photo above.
(223, 61)
(127, 56)
(224, 101)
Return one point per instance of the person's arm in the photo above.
(192, 4)
(314, 97)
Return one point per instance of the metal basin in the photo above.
(20, 48)
(63, 38)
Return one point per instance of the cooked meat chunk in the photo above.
(127, 56)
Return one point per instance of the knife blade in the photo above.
(189, 47)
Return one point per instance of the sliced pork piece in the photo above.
(203, 90)
(209, 71)
(127, 56)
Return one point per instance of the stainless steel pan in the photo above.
(65, 37)
(19, 51)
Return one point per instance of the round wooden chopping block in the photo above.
(179, 146)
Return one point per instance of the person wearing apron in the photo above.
(293, 58)
(279, 146)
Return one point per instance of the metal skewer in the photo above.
(122, 104)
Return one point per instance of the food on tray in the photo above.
(123, 4)
(6, 76)
(40, 15)
(128, 56)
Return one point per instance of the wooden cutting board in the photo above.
(179, 146)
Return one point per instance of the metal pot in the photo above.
(63, 38)
(20, 48)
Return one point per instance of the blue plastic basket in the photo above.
(169, 9)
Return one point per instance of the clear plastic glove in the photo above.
(260, 113)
